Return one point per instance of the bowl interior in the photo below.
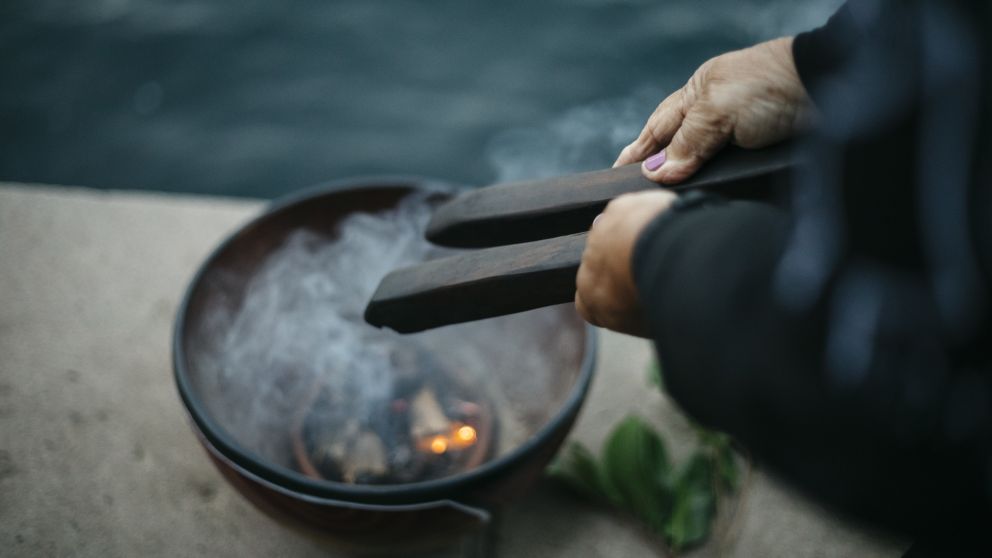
(506, 378)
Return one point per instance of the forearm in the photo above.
(704, 275)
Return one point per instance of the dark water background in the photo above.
(258, 98)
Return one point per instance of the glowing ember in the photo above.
(426, 430)
(439, 445)
(459, 437)
(466, 434)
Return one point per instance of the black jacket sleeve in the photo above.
(819, 53)
(737, 358)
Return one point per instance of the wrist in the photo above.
(791, 84)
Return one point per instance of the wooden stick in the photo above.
(526, 211)
(478, 284)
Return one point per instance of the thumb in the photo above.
(703, 132)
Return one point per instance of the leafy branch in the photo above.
(634, 473)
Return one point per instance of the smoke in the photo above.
(583, 138)
(298, 331)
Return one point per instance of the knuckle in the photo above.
(702, 76)
(581, 281)
(690, 92)
(624, 199)
(584, 310)
(671, 103)
(716, 65)
(709, 115)
(580, 307)
(620, 203)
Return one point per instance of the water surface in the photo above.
(258, 98)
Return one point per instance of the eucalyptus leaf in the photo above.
(634, 459)
(634, 474)
(654, 375)
(695, 504)
(711, 439)
(727, 469)
(577, 467)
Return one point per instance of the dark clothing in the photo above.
(845, 339)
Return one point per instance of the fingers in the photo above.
(583, 309)
(585, 281)
(702, 133)
(689, 126)
(606, 295)
(657, 132)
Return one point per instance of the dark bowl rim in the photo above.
(396, 494)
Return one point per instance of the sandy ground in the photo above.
(96, 458)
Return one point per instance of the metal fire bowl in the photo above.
(425, 513)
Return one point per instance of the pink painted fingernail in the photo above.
(655, 161)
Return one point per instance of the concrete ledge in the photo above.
(96, 458)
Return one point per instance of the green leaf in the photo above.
(636, 466)
(727, 469)
(577, 467)
(634, 474)
(654, 375)
(694, 506)
(711, 439)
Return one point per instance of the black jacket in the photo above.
(844, 336)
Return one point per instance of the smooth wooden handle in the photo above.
(526, 211)
(478, 284)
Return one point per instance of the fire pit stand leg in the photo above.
(482, 543)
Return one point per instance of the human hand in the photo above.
(605, 293)
(751, 97)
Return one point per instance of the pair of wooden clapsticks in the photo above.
(533, 234)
